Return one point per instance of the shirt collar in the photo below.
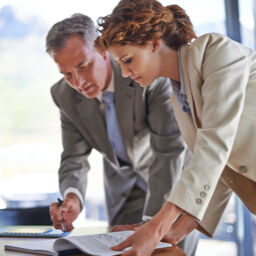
(110, 88)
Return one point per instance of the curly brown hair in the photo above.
(136, 22)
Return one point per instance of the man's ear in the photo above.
(104, 55)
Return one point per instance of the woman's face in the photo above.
(141, 63)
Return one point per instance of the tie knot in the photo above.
(108, 97)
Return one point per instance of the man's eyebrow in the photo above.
(79, 65)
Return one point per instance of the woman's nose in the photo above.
(126, 72)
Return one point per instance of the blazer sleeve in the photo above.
(169, 150)
(218, 73)
(74, 158)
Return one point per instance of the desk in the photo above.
(172, 251)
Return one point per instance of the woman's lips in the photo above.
(137, 78)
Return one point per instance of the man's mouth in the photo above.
(87, 87)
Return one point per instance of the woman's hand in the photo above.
(143, 242)
(180, 230)
(146, 238)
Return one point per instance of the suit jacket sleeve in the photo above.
(168, 147)
(74, 163)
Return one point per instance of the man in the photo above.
(136, 180)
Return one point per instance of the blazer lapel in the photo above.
(92, 118)
(183, 56)
(184, 63)
(185, 123)
(124, 102)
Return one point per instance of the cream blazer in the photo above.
(220, 81)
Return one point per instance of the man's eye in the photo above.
(67, 75)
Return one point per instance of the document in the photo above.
(98, 244)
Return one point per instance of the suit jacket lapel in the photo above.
(196, 113)
(186, 125)
(92, 118)
(185, 121)
(124, 102)
(183, 56)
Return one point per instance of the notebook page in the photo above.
(98, 244)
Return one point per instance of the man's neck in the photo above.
(109, 72)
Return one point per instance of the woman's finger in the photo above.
(126, 243)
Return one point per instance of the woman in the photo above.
(214, 84)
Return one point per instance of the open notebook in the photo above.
(98, 244)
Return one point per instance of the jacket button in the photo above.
(199, 201)
(206, 187)
(203, 194)
(243, 169)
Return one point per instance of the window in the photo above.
(30, 145)
(247, 22)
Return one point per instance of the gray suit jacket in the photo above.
(149, 131)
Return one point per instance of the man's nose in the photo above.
(76, 80)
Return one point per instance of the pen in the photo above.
(62, 221)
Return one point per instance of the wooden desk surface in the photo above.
(172, 251)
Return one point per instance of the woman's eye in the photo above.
(127, 61)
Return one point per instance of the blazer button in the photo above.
(243, 169)
(203, 194)
(199, 201)
(206, 187)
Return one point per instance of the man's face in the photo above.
(84, 68)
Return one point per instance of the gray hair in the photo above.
(77, 24)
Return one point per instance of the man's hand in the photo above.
(70, 208)
(127, 227)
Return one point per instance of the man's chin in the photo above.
(90, 95)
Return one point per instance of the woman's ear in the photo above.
(156, 45)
